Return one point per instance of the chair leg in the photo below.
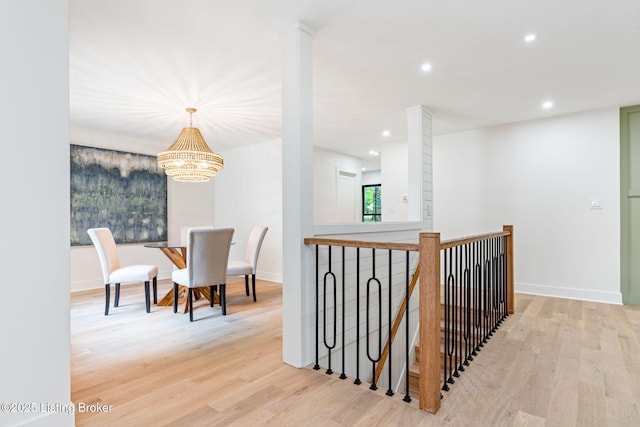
(175, 297)
(116, 301)
(155, 290)
(246, 284)
(223, 298)
(211, 294)
(147, 299)
(253, 286)
(107, 295)
(190, 304)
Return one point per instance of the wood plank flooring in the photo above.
(554, 362)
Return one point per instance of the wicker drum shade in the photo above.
(189, 158)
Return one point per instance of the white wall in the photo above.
(460, 183)
(371, 178)
(188, 204)
(34, 114)
(540, 176)
(394, 158)
(249, 192)
(326, 164)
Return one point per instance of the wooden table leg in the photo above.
(179, 259)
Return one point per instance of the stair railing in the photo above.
(372, 279)
(464, 306)
(459, 310)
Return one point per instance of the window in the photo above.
(371, 203)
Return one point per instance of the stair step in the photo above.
(414, 380)
(460, 343)
(414, 376)
(414, 370)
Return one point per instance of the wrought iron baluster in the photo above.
(390, 362)
(477, 286)
(487, 305)
(491, 288)
(491, 263)
(335, 312)
(497, 285)
(491, 284)
(343, 375)
(503, 281)
(317, 366)
(505, 263)
(455, 310)
(485, 285)
(357, 380)
(372, 359)
(447, 329)
(467, 307)
(407, 397)
(445, 332)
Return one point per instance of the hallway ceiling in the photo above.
(135, 65)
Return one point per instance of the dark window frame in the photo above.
(376, 215)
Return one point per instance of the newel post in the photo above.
(509, 255)
(430, 322)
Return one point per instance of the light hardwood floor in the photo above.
(554, 362)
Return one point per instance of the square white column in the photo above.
(420, 146)
(297, 197)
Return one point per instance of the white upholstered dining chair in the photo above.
(248, 265)
(113, 272)
(207, 257)
(184, 231)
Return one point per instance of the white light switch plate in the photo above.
(596, 204)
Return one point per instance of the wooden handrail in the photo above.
(412, 247)
(396, 324)
(394, 246)
(446, 244)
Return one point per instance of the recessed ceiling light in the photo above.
(547, 104)
(426, 67)
(364, 169)
(531, 37)
(386, 132)
(374, 153)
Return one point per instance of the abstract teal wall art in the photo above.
(125, 192)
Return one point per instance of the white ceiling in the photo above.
(136, 64)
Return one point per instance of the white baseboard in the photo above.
(269, 277)
(86, 285)
(92, 284)
(570, 293)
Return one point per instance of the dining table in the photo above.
(177, 253)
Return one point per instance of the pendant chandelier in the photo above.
(189, 158)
